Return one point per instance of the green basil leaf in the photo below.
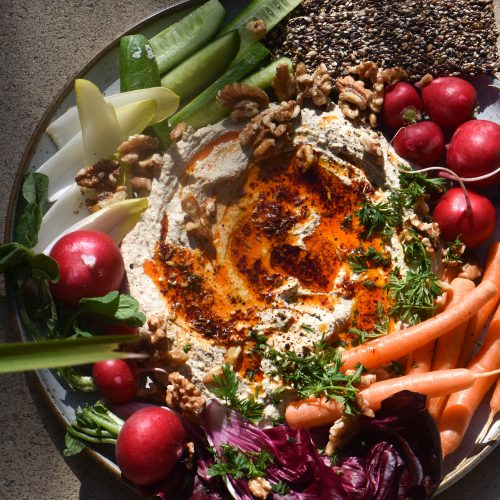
(116, 307)
(44, 267)
(34, 192)
(11, 255)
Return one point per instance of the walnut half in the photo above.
(243, 100)
(183, 394)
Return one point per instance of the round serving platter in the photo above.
(103, 71)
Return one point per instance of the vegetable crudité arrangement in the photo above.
(368, 413)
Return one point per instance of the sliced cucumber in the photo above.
(270, 11)
(203, 68)
(177, 42)
(213, 112)
(138, 67)
(264, 77)
(191, 112)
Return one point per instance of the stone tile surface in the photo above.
(43, 43)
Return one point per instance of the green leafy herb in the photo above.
(280, 488)
(363, 259)
(34, 193)
(378, 218)
(453, 252)
(416, 255)
(414, 295)
(226, 387)
(307, 328)
(396, 368)
(114, 306)
(240, 464)
(414, 185)
(93, 424)
(316, 374)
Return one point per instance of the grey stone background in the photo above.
(42, 44)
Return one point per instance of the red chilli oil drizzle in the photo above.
(221, 299)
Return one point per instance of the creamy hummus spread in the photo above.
(229, 249)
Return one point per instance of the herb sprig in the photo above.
(414, 295)
(317, 374)
(361, 261)
(226, 387)
(240, 464)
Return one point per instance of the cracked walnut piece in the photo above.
(284, 83)
(183, 394)
(259, 487)
(199, 224)
(317, 86)
(101, 176)
(356, 99)
(243, 100)
(269, 133)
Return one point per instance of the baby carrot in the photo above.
(448, 346)
(314, 412)
(461, 405)
(494, 411)
(384, 349)
(478, 322)
(420, 361)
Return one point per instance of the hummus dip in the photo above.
(230, 249)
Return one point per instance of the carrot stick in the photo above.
(384, 349)
(478, 322)
(494, 410)
(461, 405)
(314, 412)
(420, 361)
(449, 346)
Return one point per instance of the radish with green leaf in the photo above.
(402, 105)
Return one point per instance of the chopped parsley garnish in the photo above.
(226, 387)
(378, 218)
(317, 374)
(280, 488)
(363, 259)
(240, 464)
(414, 295)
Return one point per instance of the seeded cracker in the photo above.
(441, 37)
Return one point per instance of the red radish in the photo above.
(402, 105)
(149, 445)
(421, 143)
(474, 151)
(474, 223)
(116, 379)
(449, 101)
(90, 265)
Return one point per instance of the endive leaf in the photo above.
(23, 356)
(66, 216)
(133, 118)
(62, 167)
(64, 128)
(100, 130)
